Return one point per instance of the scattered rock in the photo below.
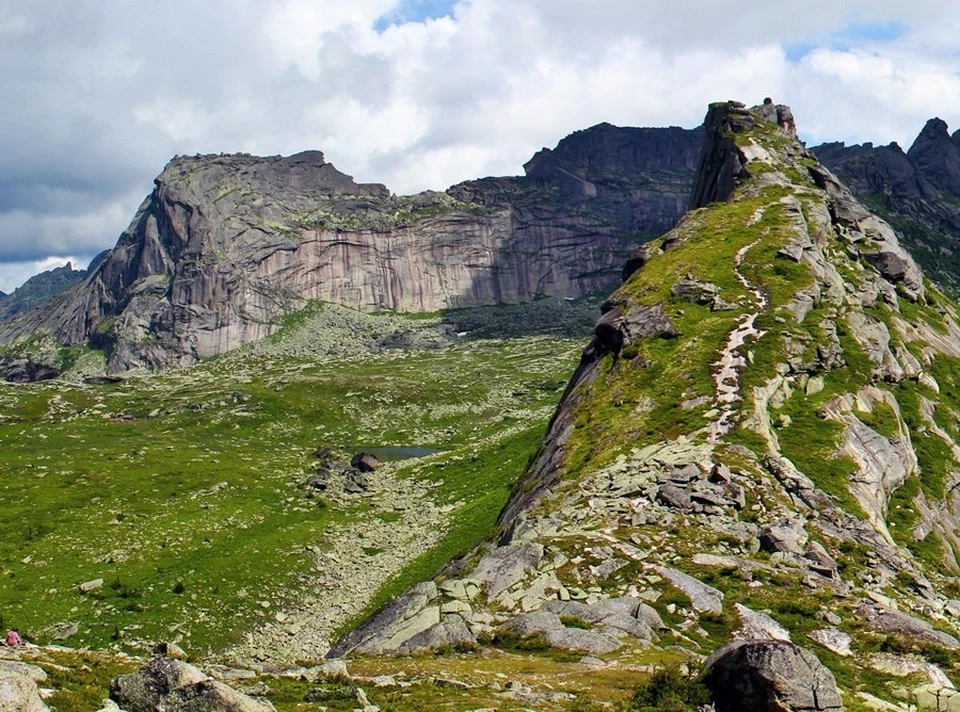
(784, 535)
(89, 586)
(67, 631)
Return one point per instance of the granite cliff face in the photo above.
(226, 245)
(760, 442)
(917, 191)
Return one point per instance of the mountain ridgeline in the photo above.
(226, 245)
(760, 444)
(917, 191)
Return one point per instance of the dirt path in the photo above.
(726, 379)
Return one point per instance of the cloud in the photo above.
(417, 93)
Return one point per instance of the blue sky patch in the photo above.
(857, 33)
(415, 11)
(848, 37)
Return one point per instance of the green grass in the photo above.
(189, 479)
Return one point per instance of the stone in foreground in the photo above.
(770, 676)
(174, 686)
(18, 693)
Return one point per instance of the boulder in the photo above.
(165, 685)
(784, 535)
(365, 462)
(695, 291)
(356, 483)
(769, 676)
(18, 693)
(674, 497)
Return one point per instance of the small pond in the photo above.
(385, 454)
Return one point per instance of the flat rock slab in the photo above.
(506, 565)
(887, 620)
(705, 599)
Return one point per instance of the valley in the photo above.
(184, 491)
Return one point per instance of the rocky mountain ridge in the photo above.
(760, 443)
(43, 286)
(226, 245)
(917, 191)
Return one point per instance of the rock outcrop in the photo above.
(226, 245)
(165, 685)
(916, 191)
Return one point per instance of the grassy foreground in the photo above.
(181, 491)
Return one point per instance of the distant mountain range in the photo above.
(43, 286)
(226, 245)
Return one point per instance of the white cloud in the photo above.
(105, 93)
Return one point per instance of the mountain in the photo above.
(226, 245)
(917, 192)
(760, 443)
(39, 288)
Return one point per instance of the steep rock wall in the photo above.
(226, 245)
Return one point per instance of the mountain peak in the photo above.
(937, 159)
(728, 146)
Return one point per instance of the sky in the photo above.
(417, 94)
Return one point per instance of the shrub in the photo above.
(669, 689)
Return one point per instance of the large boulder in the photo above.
(395, 623)
(770, 676)
(165, 685)
(18, 693)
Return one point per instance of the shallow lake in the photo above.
(386, 454)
